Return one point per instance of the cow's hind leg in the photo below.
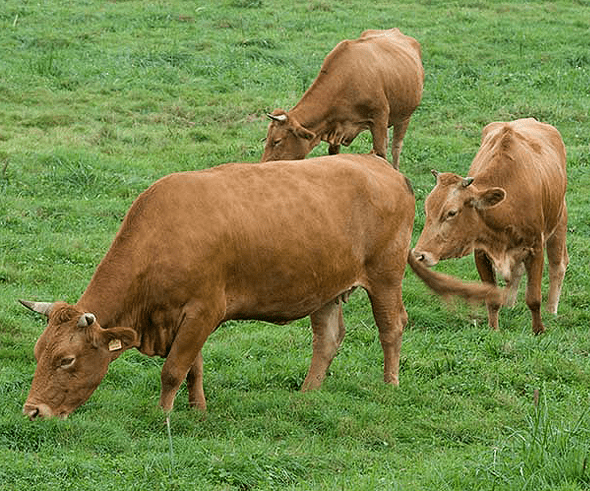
(487, 275)
(558, 260)
(399, 131)
(328, 331)
(391, 319)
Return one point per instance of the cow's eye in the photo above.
(67, 362)
(276, 142)
(451, 214)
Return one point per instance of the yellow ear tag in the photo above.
(115, 344)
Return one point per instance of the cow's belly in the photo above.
(286, 305)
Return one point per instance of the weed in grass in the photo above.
(46, 65)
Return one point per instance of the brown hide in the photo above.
(276, 241)
(508, 211)
(371, 83)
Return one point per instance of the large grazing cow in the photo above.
(372, 83)
(510, 208)
(275, 242)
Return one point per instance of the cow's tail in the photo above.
(446, 285)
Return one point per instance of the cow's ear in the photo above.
(302, 132)
(488, 198)
(116, 339)
(305, 133)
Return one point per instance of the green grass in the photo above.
(99, 99)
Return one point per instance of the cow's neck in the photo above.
(116, 297)
(491, 237)
(313, 110)
(311, 120)
(107, 294)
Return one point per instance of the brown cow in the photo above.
(510, 208)
(275, 242)
(368, 83)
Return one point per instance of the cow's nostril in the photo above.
(419, 256)
(31, 411)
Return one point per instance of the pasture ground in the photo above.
(99, 99)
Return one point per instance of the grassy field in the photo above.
(100, 98)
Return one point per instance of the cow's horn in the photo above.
(86, 319)
(39, 307)
(279, 117)
(467, 181)
(434, 173)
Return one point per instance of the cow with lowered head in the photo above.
(508, 211)
(371, 83)
(273, 242)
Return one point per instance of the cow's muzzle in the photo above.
(33, 411)
(424, 257)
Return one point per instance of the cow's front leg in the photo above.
(515, 276)
(379, 133)
(334, 148)
(184, 356)
(399, 131)
(328, 331)
(485, 269)
(194, 382)
(534, 269)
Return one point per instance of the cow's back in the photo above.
(527, 159)
(388, 46)
(391, 40)
(388, 62)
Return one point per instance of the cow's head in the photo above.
(453, 222)
(73, 355)
(287, 139)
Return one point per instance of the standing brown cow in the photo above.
(508, 211)
(371, 83)
(274, 242)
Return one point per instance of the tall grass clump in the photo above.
(546, 453)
